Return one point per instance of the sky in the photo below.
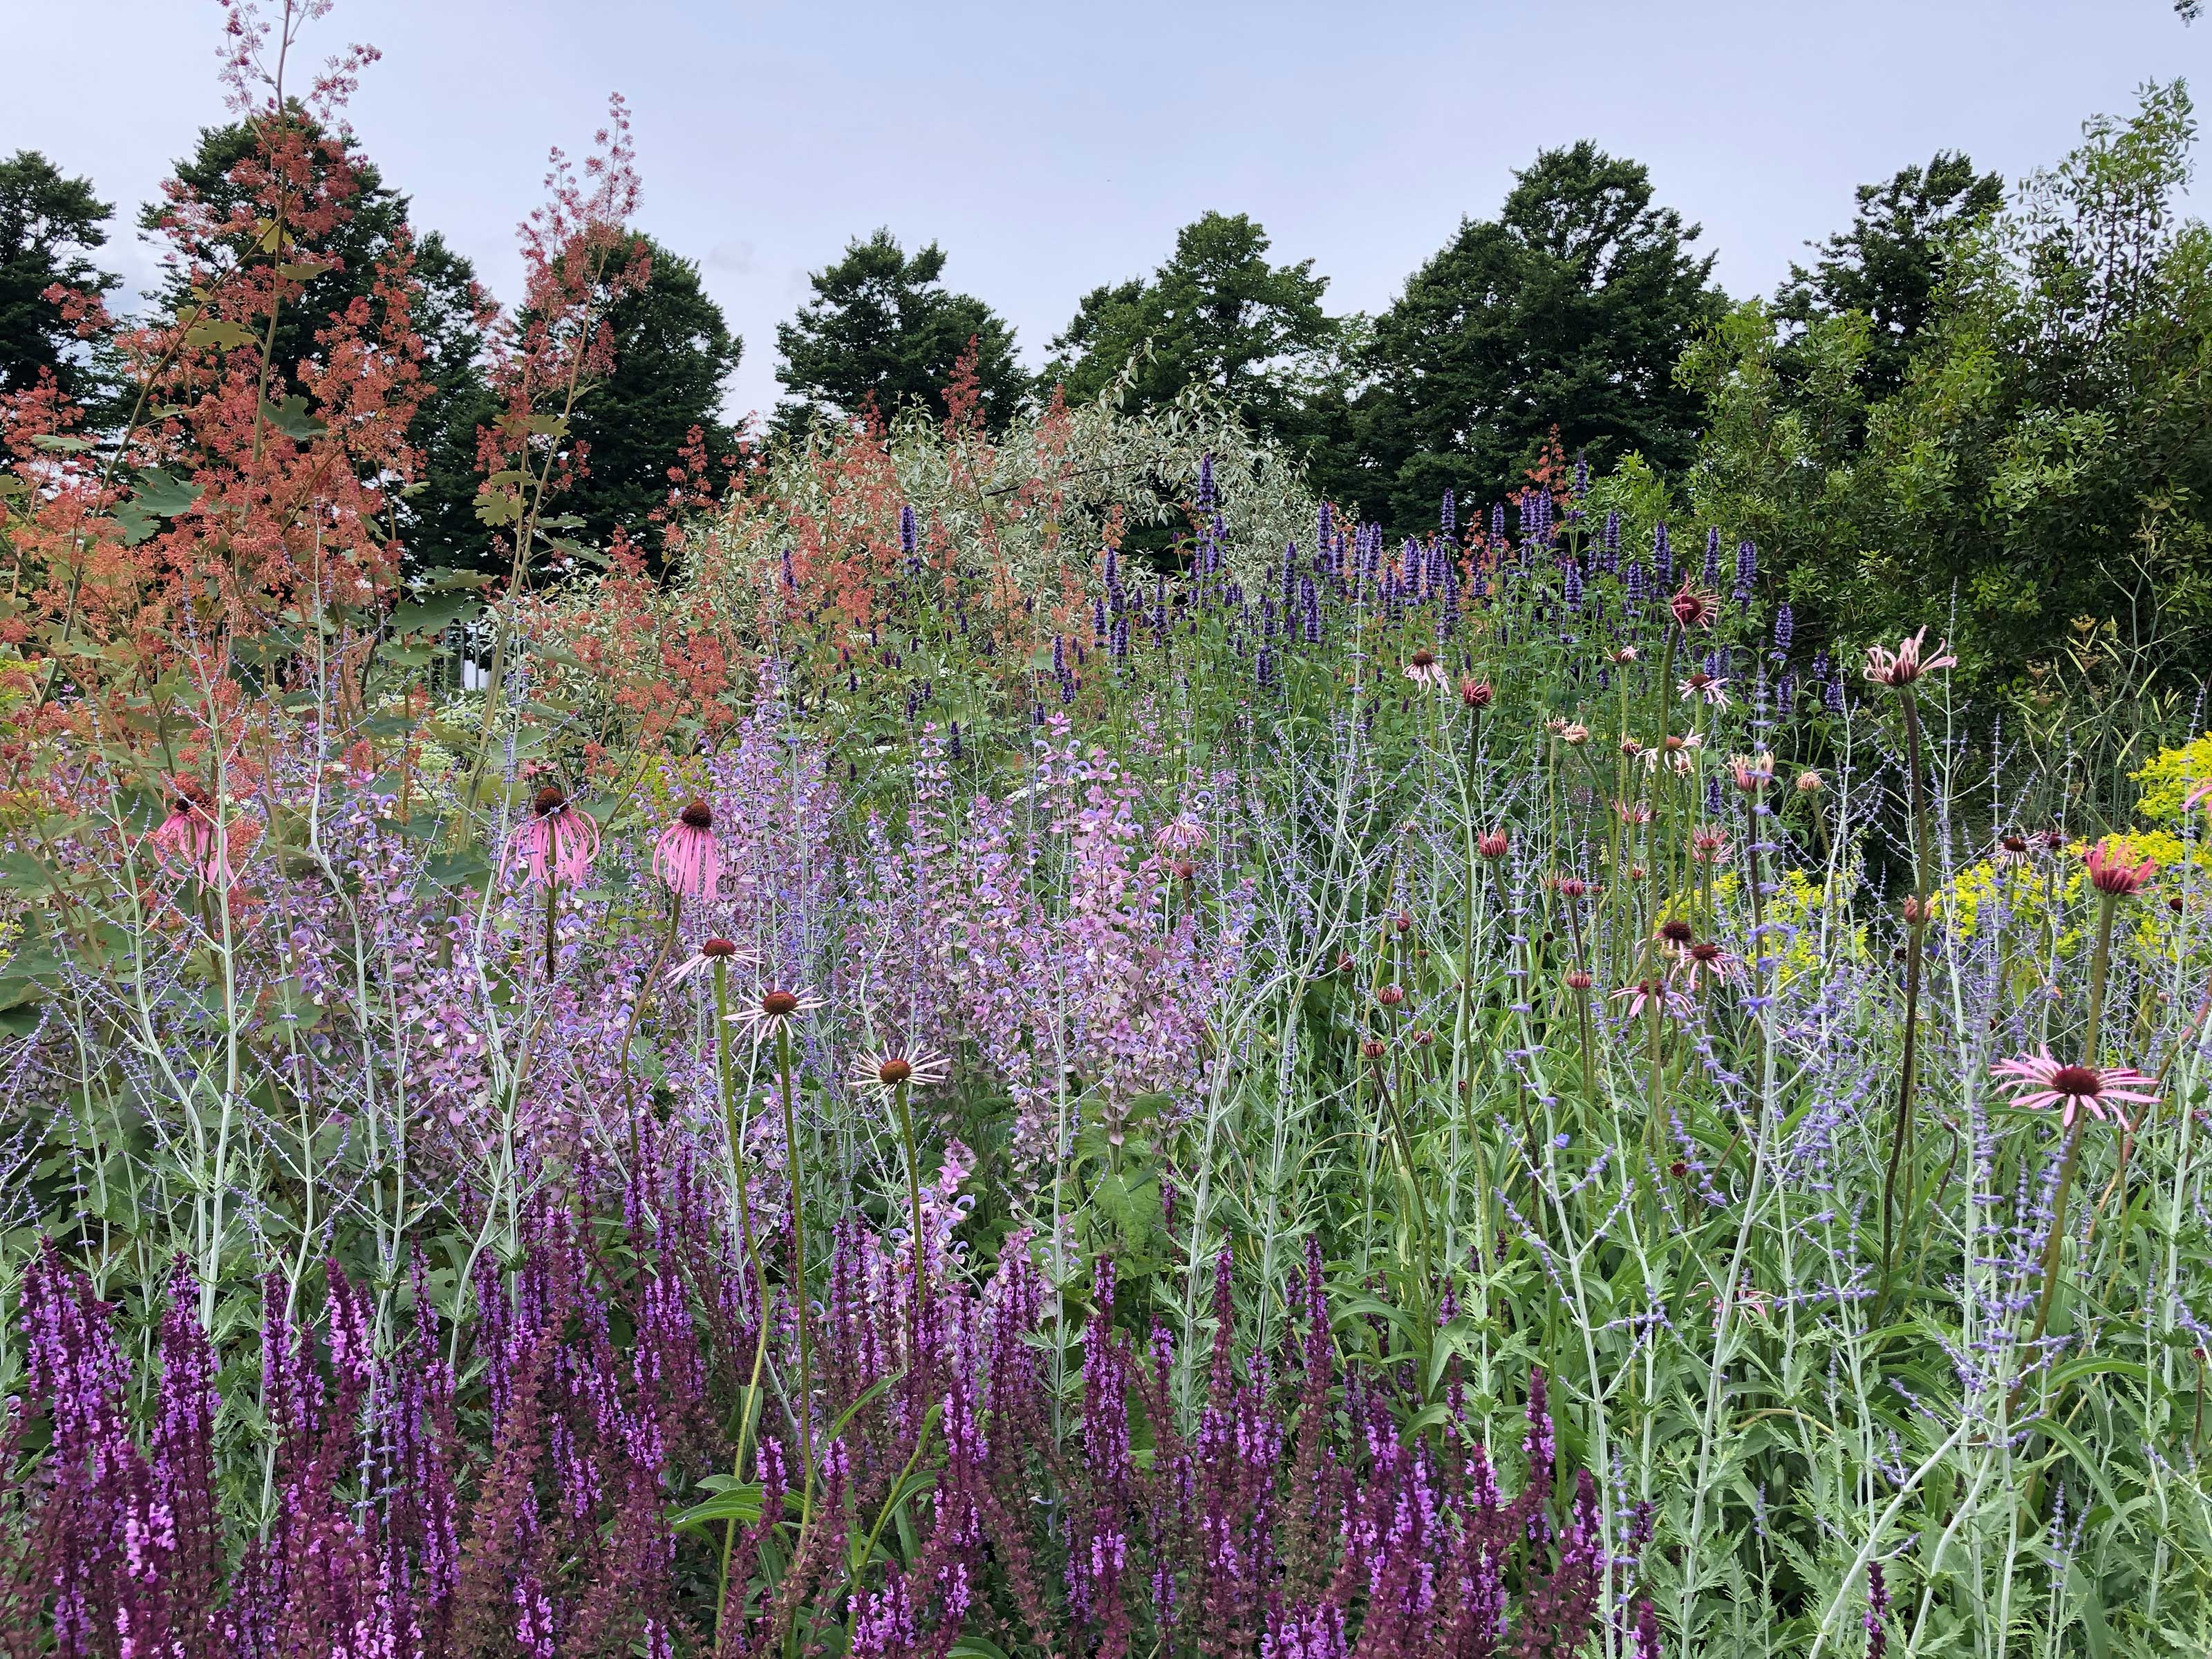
(1049, 147)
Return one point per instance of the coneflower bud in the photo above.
(1494, 845)
(1423, 1037)
(1572, 887)
(1919, 911)
(1476, 693)
(1810, 783)
(1678, 1168)
(1344, 964)
(1390, 995)
(1402, 922)
(1373, 1048)
(1184, 869)
(1579, 980)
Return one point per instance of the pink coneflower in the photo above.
(1423, 669)
(2111, 872)
(771, 1010)
(1574, 734)
(1698, 683)
(687, 856)
(918, 1068)
(556, 838)
(1675, 934)
(2037, 1082)
(1904, 665)
(1179, 834)
(2200, 796)
(1626, 653)
(1752, 773)
(190, 836)
(1645, 993)
(2011, 852)
(710, 952)
(1707, 961)
(1694, 608)
(1632, 811)
(1709, 846)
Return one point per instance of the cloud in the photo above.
(736, 258)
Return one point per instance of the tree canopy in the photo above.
(1888, 265)
(883, 331)
(1215, 313)
(1567, 312)
(673, 351)
(49, 225)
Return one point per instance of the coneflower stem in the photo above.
(2099, 959)
(1915, 942)
(798, 1272)
(752, 1254)
(552, 905)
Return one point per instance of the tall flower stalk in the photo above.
(1898, 670)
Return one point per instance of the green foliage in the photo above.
(1216, 314)
(883, 331)
(48, 224)
(1888, 266)
(1567, 312)
(673, 352)
(2040, 473)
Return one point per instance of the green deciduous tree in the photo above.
(1216, 314)
(1570, 309)
(673, 351)
(1888, 265)
(2045, 466)
(883, 331)
(48, 225)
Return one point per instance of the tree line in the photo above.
(1987, 400)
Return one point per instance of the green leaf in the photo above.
(12, 485)
(497, 506)
(64, 443)
(216, 332)
(434, 615)
(163, 495)
(291, 418)
(467, 867)
(300, 270)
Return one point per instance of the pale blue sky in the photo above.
(1051, 148)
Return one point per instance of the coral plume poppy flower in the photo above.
(1423, 669)
(2110, 871)
(2038, 1083)
(1905, 665)
(555, 839)
(687, 856)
